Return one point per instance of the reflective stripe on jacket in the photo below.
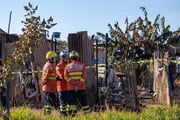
(75, 74)
(61, 85)
(49, 78)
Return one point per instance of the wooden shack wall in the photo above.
(3, 44)
(80, 43)
(39, 54)
(39, 61)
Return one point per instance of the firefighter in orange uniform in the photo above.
(75, 74)
(61, 83)
(49, 83)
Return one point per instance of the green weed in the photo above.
(155, 113)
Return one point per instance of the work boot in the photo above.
(47, 112)
(64, 113)
(47, 109)
(86, 109)
(72, 113)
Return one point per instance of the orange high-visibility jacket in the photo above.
(75, 74)
(61, 85)
(49, 78)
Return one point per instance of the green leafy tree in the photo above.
(34, 31)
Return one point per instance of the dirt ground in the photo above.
(150, 101)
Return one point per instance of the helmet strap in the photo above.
(50, 60)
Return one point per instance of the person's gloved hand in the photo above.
(42, 83)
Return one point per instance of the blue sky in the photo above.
(88, 15)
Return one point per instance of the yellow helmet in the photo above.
(74, 54)
(51, 54)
